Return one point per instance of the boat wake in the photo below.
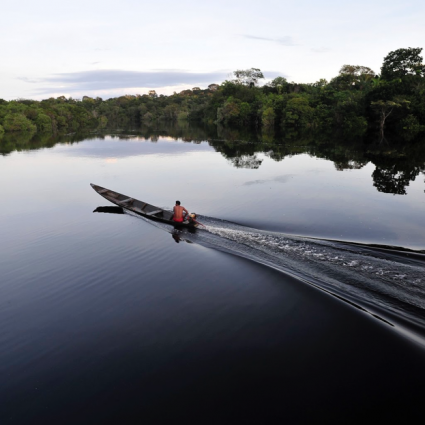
(387, 283)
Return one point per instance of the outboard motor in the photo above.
(192, 218)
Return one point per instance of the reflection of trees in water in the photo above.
(233, 134)
(178, 131)
(240, 154)
(395, 170)
(241, 146)
(391, 181)
(15, 142)
(22, 141)
(345, 159)
(350, 165)
(246, 161)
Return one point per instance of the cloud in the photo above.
(280, 179)
(109, 79)
(284, 41)
(110, 83)
(112, 151)
(284, 179)
(27, 80)
(252, 182)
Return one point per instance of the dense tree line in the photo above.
(357, 102)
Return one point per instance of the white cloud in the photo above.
(107, 79)
(284, 41)
(111, 83)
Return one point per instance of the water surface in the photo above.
(106, 318)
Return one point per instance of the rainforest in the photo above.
(356, 104)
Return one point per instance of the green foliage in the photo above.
(147, 118)
(248, 77)
(15, 107)
(384, 108)
(298, 112)
(234, 111)
(403, 62)
(103, 121)
(239, 91)
(354, 126)
(170, 112)
(1, 131)
(182, 116)
(354, 77)
(356, 70)
(3, 112)
(268, 117)
(354, 104)
(44, 123)
(411, 127)
(230, 112)
(280, 84)
(18, 122)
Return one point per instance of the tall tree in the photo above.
(248, 77)
(384, 108)
(354, 76)
(279, 83)
(402, 62)
(356, 70)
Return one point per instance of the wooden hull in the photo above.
(139, 207)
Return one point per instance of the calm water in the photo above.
(283, 310)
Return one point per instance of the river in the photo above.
(300, 301)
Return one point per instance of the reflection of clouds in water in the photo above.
(132, 138)
(110, 148)
(283, 179)
(316, 171)
(280, 179)
(252, 182)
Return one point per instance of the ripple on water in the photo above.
(389, 281)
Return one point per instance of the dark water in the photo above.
(280, 311)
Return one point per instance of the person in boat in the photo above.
(179, 213)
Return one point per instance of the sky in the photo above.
(110, 48)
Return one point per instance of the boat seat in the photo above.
(103, 191)
(140, 210)
(126, 200)
(154, 212)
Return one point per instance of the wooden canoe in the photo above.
(139, 207)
